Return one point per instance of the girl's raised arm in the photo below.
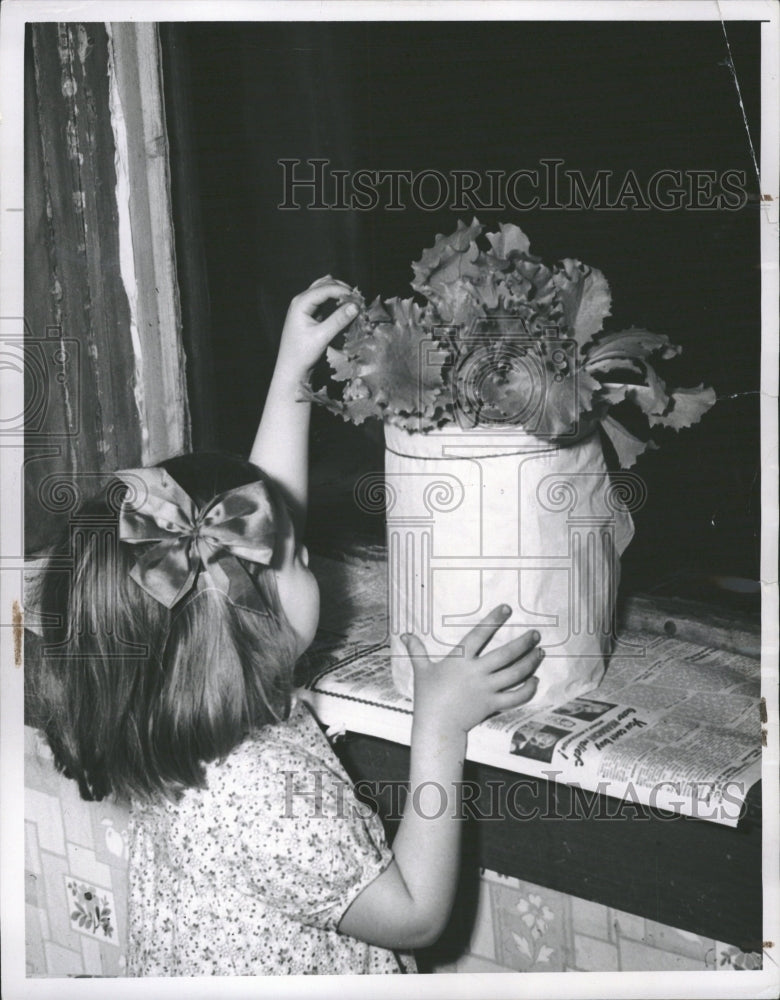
(281, 445)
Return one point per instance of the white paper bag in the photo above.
(480, 518)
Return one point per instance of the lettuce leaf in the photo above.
(585, 297)
(549, 408)
(449, 258)
(391, 366)
(441, 273)
(688, 406)
(634, 344)
(398, 362)
(407, 363)
(509, 240)
(627, 446)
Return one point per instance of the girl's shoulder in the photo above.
(287, 762)
(295, 741)
(262, 768)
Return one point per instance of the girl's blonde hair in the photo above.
(133, 697)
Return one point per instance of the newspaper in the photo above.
(674, 726)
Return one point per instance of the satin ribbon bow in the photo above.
(192, 544)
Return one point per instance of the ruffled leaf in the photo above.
(405, 367)
(567, 405)
(376, 312)
(627, 446)
(688, 407)
(344, 367)
(585, 297)
(632, 344)
(485, 293)
(651, 398)
(307, 394)
(417, 423)
(443, 271)
(609, 366)
(354, 410)
(360, 408)
(449, 258)
(509, 239)
(390, 362)
(528, 291)
(463, 303)
(614, 392)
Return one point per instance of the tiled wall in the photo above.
(76, 892)
(75, 874)
(521, 927)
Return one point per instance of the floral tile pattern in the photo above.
(528, 928)
(91, 910)
(730, 958)
(521, 927)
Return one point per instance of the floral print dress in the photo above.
(251, 875)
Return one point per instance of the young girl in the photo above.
(187, 602)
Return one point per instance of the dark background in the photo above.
(641, 96)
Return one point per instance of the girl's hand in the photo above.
(456, 693)
(303, 337)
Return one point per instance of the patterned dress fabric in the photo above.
(251, 875)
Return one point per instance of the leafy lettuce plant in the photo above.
(491, 307)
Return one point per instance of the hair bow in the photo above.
(191, 544)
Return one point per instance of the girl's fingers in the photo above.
(512, 675)
(510, 651)
(481, 634)
(328, 328)
(320, 292)
(517, 696)
(418, 654)
(329, 279)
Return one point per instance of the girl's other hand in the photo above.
(304, 338)
(456, 693)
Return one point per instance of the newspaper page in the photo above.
(674, 726)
